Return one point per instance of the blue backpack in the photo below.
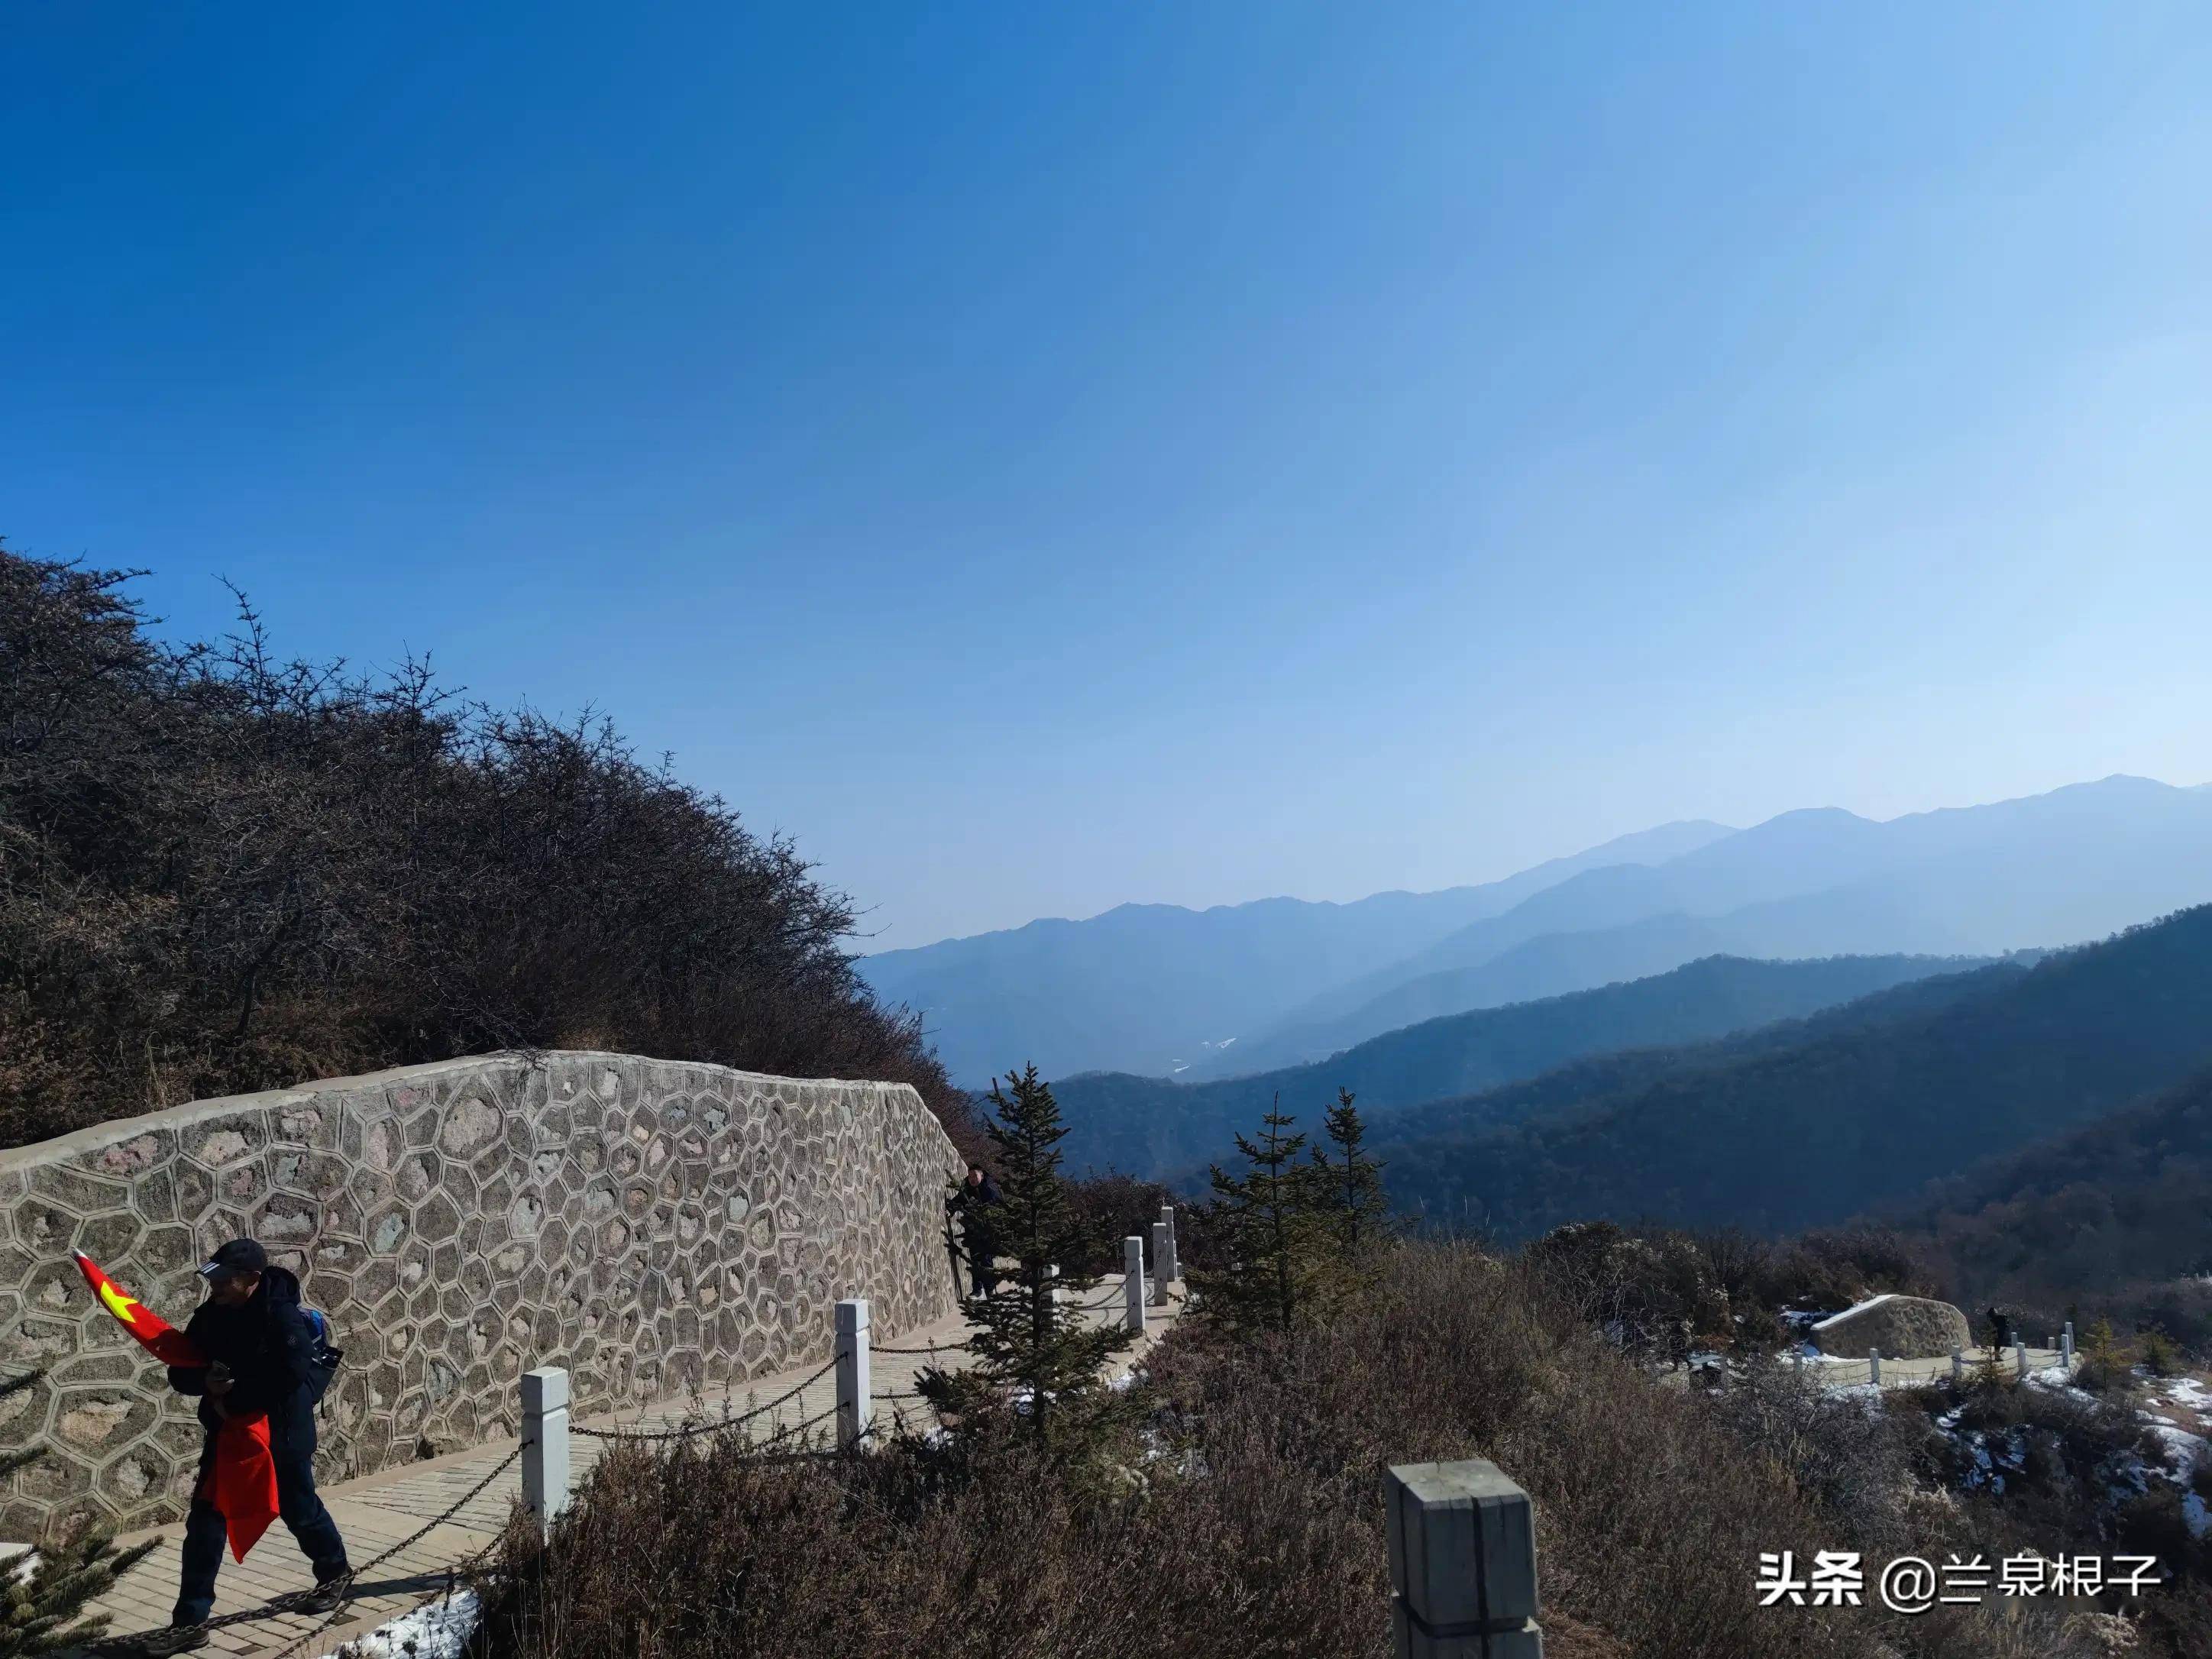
(322, 1358)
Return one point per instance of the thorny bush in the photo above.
(223, 870)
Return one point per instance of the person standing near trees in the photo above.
(262, 1353)
(976, 1202)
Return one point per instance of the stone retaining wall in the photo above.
(650, 1224)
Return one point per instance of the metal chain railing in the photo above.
(467, 1563)
(720, 1425)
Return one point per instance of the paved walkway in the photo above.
(379, 1510)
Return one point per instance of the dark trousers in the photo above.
(982, 1254)
(298, 1505)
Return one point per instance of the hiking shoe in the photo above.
(160, 1644)
(326, 1597)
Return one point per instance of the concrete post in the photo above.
(1160, 1264)
(1133, 1284)
(1874, 1366)
(1171, 1264)
(1958, 1367)
(545, 1443)
(855, 1411)
(2019, 1358)
(1462, 1563)
(1797, 1359)
(2066, 1353)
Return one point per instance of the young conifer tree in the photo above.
(37, 1608)
(1273, 1230)
(1034, 1338)
(1348, 1186)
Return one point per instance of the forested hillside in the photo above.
(221, 870)
(1156, 1128)
(2119, 1209)
(1783, 1135)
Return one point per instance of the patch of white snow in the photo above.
(436, 1629)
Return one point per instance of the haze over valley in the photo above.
(1158, 991)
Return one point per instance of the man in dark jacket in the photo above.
(259, 1346)
(978, 1198)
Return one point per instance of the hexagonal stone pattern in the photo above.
(650, 1224)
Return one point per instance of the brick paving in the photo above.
(379, 1510)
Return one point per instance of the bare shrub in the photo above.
(221, 870)
(1244, 1517)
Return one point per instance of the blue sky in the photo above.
(1182, 453)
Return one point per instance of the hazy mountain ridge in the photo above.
(1859, 1114)
(1144, 986)
(2076, 864)
(1158, 1127)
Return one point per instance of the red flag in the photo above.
(243, 1484)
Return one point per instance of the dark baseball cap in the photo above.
(240, 1255)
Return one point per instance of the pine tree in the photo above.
(36, 1608)
(1029, 1340)
(1348, 1187)
(1272, 1229)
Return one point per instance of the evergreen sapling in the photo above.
(1045, 1351)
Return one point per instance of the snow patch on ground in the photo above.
(1995, 1456)
(437, 1630)
(2188, 1392)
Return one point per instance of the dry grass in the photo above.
(1245, 1516)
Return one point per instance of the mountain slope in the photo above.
(1144, 986)
(1843, 1120)
(2076, 864)
(2125, 1203)
(1156, 1128)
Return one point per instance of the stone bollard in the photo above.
(545, 1443)
(1133, 1284)
(855, 1411)
(1958, 1365)
(1171, 1264)
(2019, 1358)
(1874, 1366)
(1160, 1264)
(1462, 1563)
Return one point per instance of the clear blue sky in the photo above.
(1047, 456)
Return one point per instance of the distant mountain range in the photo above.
(1801, 1125)
(1153, 987)
(1162, 991)
(1158, 1129)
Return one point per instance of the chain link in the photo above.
(718, 1427)
(931, 1351)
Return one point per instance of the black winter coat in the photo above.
(266, 1343)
